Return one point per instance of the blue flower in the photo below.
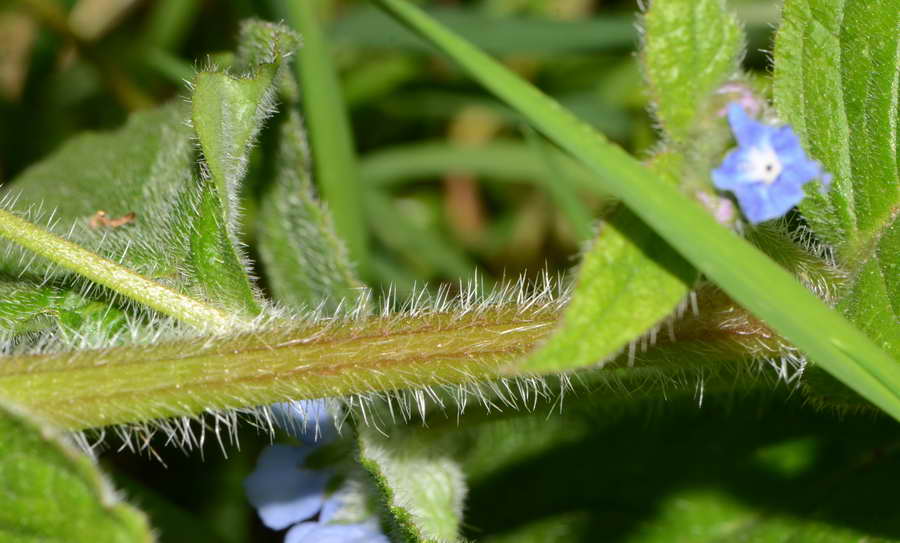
(767, 171)
(308, 532)
(285, 493)
(282, 490)
(307, 420)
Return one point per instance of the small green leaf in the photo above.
(215, 262)
(227, 114)
(422, 485)
(629, 281)
(25, 307)
(690, 48)
(51, 492)
(306, 262)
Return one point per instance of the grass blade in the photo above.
(756, 282)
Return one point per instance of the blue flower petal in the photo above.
(281, 490)
(758, 204)
(309, 532)
(331, 506)
(299, 533)
(754, 202)
(784, 195)
(800, 172)
(307, 420)
(732, 171)
(747, 131)
(786, 144)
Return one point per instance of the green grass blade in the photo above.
(330, 133)
(753, 280)
(499, 160)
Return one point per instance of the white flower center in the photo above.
(762, 163)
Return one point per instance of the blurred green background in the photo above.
(460, 184)
(456, 185)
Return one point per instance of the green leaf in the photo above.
(332, 139)
(26, 308)
(628, 282)
(753, 280)
(129, 197)
(227, 114)
(51, 492)
(215, 261)
(836, 83)
(305, 261)
(422, 486)
(690, 48)
(144, 167)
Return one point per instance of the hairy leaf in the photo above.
(144, 168)
(332, 140)
(628, 282)
(51, 492)
(690, 48)
(128, 196)
(836, 82)
(306, 262)
(227, 114)
(422, 485)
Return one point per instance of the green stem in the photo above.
(747, 275)
(114, 276)
(189, 377)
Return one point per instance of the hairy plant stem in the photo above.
(114, 276)
(187, 377)
(94, 388)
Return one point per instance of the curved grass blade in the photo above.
(744, 272)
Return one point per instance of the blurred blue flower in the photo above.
(282, 490)
(316, 532)
(285, 493)
(307, 420)
(768, 169)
